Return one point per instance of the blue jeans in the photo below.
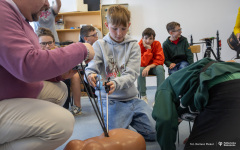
(158, 71)
(178, 66)
(134, 112)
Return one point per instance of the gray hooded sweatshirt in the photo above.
(118, 61)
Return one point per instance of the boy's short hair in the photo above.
(44, 32)
(84, 32)
(118, 15)
(148, 32)
(171, 26)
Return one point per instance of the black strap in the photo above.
(207, 65)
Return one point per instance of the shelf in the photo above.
(76, 13)
(71, 30)
(76, 19)
(65, 30)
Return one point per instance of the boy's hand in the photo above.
(172, 65)
(146, 46)
(92, 79)
(55, 46)
(145, 71)
(112, 87)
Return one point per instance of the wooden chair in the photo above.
(195, 49)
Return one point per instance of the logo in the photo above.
(220, 143)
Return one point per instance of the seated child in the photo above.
(176, 49)
(47, 42)
(88, 34)
(152, 59)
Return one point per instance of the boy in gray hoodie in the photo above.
(118, 57)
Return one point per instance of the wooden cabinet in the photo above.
(75, 19)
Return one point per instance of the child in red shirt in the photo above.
(152, 60)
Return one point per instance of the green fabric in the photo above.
(172, 50)
(223, 78)
(185, 89)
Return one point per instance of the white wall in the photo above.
(201, 18)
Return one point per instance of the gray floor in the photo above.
(87, 125)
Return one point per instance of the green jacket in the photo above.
(184, 93)
(176, 53)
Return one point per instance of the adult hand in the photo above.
(172, 65)
(146, 46)
(91, 52)
(145, 71)
(92, 79)
(112, 87)
(69, 74)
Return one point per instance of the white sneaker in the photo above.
(145, 99)
(76, 110)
